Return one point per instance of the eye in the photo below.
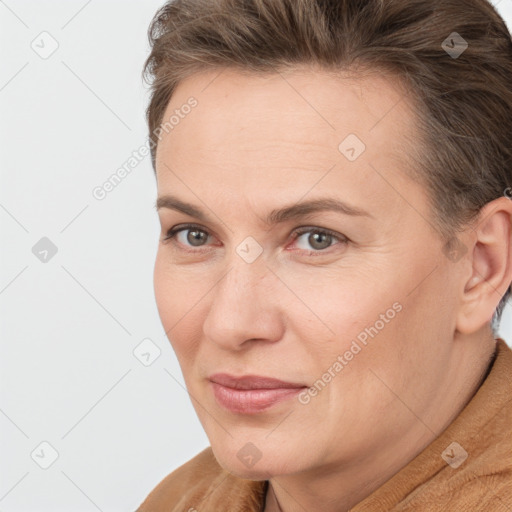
(190, 234)
(318, 239)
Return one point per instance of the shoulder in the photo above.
(189, 477)
(469, 465)
(202, 484)
(481, 438)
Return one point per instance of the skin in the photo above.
(257, 143)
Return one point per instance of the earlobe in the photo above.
(491, 263)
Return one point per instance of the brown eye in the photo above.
(317, 240)
(196, 237)
(188, 236)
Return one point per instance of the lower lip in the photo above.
(251, 401)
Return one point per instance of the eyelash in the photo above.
(171, 234)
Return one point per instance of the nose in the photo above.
(244, 306)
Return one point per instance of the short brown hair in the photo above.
(463, 102)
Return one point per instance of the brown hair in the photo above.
(463, 102)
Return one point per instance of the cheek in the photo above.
(176, 290)
(367, 320)
(178, 299)
(366, 328)
(346, 310)
(328, 301)
(163, 286)
(172, 299)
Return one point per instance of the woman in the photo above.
(364, 373)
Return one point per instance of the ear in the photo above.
(489, 245)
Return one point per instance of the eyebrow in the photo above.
(276, 216)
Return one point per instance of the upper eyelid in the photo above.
(190, 227)
(303, 229)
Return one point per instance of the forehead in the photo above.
(282, 132)
(305, 102)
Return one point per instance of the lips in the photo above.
(252, 382)
(251, 394)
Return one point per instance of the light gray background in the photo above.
(69, 326)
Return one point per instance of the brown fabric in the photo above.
(483, 482)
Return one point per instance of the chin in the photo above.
(247, 464)
(248, 474)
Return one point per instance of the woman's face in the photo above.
(352, 306)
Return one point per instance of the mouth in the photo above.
(251, 394)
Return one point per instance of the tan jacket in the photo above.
(430, 482)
